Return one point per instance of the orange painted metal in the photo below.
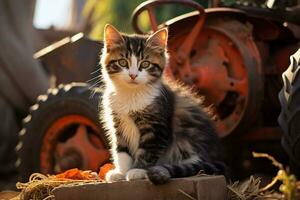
(263, 134)
(217, 57)
(184, 51)
(83, 147)
(208, 66)
(216, 67)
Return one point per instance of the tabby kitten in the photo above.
(157, 130)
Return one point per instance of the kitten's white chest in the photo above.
(127, 126)
(130, 132)
(131, 101)
(124, 102)
(122, 106)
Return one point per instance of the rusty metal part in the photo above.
(51, 35)
(71, 59)
(183, 53)
(239, 98)
(218, 52)
(263, 28)
(263, 133)
(189, 19)
(151, 4)
(223, 65)
(66, 147)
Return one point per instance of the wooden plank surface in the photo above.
(200, 188)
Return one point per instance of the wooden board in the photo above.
(199, 188)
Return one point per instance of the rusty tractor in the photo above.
(234, 56)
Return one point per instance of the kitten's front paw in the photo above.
(134, 174)
(114, 175)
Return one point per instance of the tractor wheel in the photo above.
(62, 131)
(289, 117)
(224, 65)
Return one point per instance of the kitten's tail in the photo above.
(162, 173)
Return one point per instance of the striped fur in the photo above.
(158, 129)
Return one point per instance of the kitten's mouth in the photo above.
(133, 82)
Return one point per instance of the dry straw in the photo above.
(39, 186)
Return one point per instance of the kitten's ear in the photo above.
(112, 36)
(159, 38)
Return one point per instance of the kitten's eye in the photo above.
(145, 64)
(123, 62)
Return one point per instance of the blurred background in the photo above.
(90, 16)
(244, 45)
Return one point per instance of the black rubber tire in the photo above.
(74, 98)
(289, 118)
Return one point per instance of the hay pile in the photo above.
(39, 186)
(250, 189)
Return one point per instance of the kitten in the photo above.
(157, 130)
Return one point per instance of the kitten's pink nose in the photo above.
(132, 76)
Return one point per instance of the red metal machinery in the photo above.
(233, 57)
(223, 53)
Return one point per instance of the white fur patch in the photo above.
(133, 69)
(122, 100)
(106, 117)
(134, 174)
(123, 162)
(130, 132)
(114, 175)
(136, 98)
(125, 100)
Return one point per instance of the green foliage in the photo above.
(118, 13)
(289, 184)
(250, 189)
(288, 181)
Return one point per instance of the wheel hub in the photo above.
(76, 143)
(216, 67)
